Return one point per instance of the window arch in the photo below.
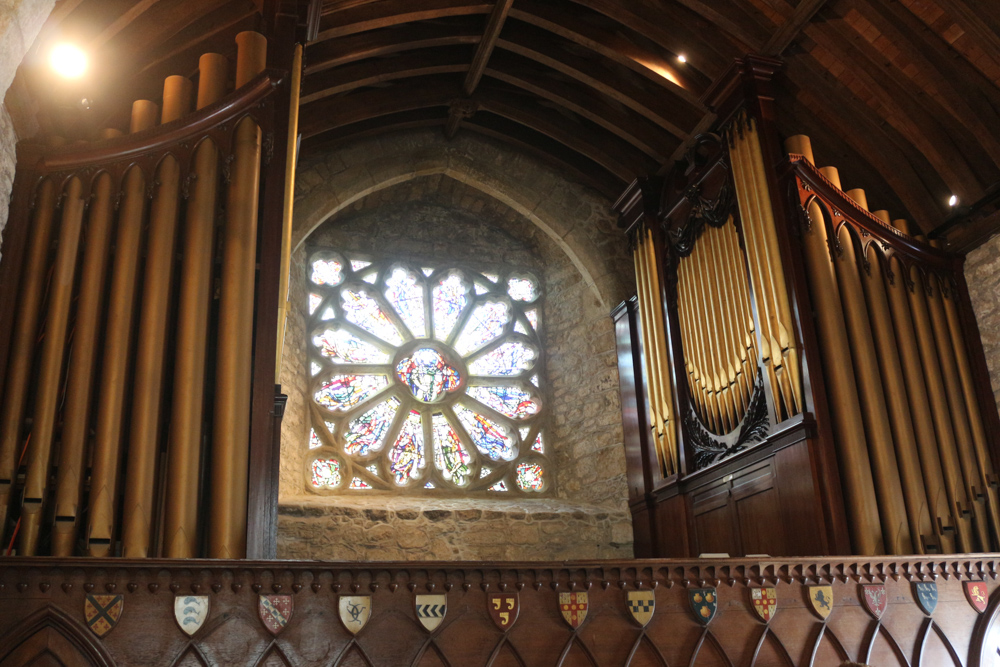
(426, 379)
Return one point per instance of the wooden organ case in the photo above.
(139, 296)
(799, 375)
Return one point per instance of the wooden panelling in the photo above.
(42, 614)
(670, 518)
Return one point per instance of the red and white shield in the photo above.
(977, 595)
(275, 611)
(875, 598)
(765, 602)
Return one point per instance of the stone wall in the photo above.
(982, 273)
(20, 22)
(442, 217)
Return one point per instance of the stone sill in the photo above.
(540, 509)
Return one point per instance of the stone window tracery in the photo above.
(425, 379)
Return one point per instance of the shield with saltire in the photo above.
(355, 610)
(275, 612)
(190, 612)
(641, 604)
(431, 610)
(925, 593)
(102, 612)
(764, 602)
(821, 599)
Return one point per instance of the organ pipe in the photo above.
(38, 454)
(230, 450)
(82, 363)
(150, 356)
(286, 231)
(25, 330)
(184, 448)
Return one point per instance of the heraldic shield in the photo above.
(925, 593)
(190, 611)
(821, 599)
(704, 603)
(355, 610)
(574, 608)
(431, 610)
(977, 595)
(765, 602)
(641, 604)
(503, 608)
(875, 599)
(275, 612)
(102, 612)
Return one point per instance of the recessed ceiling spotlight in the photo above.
(682, 58)
(68, 61)
(953, 200)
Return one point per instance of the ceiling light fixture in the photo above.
(682, 58)
(68, 61)
(952, 201)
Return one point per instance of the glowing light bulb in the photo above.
(682, 58)
(68, 61)
(953, 200)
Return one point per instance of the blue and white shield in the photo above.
(925, 594)
(431, 610)
(191, 611)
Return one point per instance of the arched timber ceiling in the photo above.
(901, 95)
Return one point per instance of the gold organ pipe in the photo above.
(987, 475)
(687, 338)
(772, 274)
(231, 426)
(667, 426)
(646, 320)
(724, 290)
(959, 414)
(698, 345)
(770, 348)
(718, 330)
(705, 317)
(881, 451)
(800, 144)
(80, 380)
(943, 428)
(852, 452)
(907, 458)
(746, 340)
(22, 347)
(286, 222)
(50, 367)
(118, 350)
(150, 357)
(184, 443)
(920, 411)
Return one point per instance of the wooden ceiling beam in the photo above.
(976, 20)
(969, 96)
(387, 41)
(485, 49)
(570, 131)
(395, 12)
(783, 37)
(675, 115)
(686, 34)
(684, 82)
(914, 120)
(628, 125)
(731, 18)
(446, 60)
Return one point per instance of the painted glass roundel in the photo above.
(425, 379)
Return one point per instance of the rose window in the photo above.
(425, 379)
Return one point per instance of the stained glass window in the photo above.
(326, 473)
(422, 385)
(342, 346)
